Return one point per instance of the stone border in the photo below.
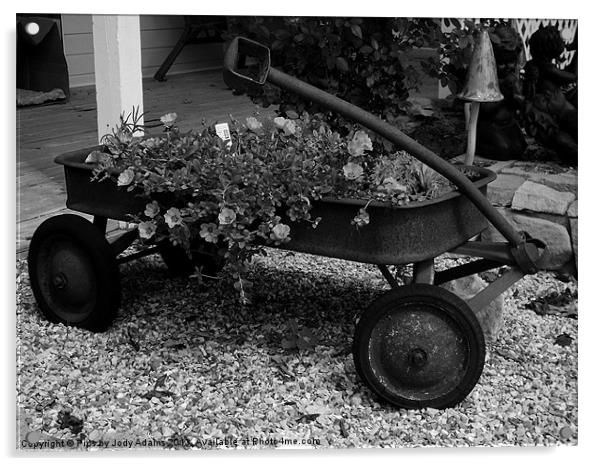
(541, 199)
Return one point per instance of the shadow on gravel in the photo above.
(325, 301)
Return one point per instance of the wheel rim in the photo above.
(67, 278)
(418, 352)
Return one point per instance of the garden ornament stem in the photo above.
(472, 132)
(481, 86)
(250, 80)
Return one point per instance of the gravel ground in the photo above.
(184, 367)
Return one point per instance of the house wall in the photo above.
(158, 35)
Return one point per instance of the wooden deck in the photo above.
(47, 131)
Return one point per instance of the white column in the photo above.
(117, 68)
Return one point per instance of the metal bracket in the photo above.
(124, 241)
(137, 255)
(529, 254)
(424, 272)
(489, 293)
(388, 276)
(100, 223)
(478, 266)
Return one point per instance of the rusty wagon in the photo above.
(417, 345)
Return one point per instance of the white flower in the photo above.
(126, 177)
(152, 209)
(353, 171)
(390, 184)
(289, 127)
(173, 217)
(226, 216)
(149, 143)
(147, 230)
(281, 231)
(362, 218)
(279, 122)
(169, 119)
(253, 124)
(359, 143)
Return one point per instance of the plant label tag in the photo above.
(223, 131)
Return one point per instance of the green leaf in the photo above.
(265, 31)
(356, 30)
(282, 34)
(342, 64)
(463, 42)
(288, 343)
(564, 339)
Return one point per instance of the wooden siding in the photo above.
(158, 34)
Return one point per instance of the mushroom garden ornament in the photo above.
(481, 86)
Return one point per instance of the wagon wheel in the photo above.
(419, 346)
(73, 273)
(180, 265)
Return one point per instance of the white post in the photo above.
(117, 68)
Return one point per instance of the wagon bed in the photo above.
(395, 235)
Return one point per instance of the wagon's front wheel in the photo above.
(73, 272)
(419, 346)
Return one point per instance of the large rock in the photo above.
(491, 317)
(574, 237)
(539, 198)
(499, 166)
(556, 237)
(561, 180)
(573, 209)
(528, 174)
(501, 191)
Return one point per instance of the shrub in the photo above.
(357, 59)
(455, 50)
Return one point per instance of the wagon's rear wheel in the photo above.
(180, 265)
(73, 273)
(419, 346)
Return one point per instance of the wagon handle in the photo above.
(237, 76)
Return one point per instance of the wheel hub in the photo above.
(59, 281)
(417, 349)
(418, 357)
(69, 276)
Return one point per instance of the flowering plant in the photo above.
(247, 191)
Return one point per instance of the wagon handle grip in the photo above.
(240, 75)
(234, 76)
